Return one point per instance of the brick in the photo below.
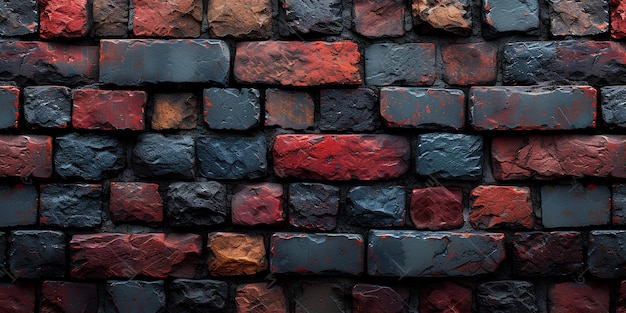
(410, 107)
(326, 253)
(450, 156)
(313, 206)
(528, 63)
(95, 109)
(233, 254)
(320, 297)
(437, 208)
(154, 61)
(605, 253)
(410, 64)
(289, 109)
(501, 207)
(613, 112)
(135, 296)
(340, 157)
(445, 296)
(352, 110)
(164, 156)
(507, 296)
(208, 296)
(570, 17)
(110, 18)
(71, 205)
(19, 18)
(405, 253)
(470, 64)
(617, 18)
(376, 298)
(63, 19)
(621, 300)
(258, 204)
(196, 203)
(259, 298)
(231, 108)
(132, 202)
(48, 106)
(178, 18)
(68, 297)
(453, 16)
(230, 157)
(26, 156)
(592, 297)
(548, 253)
(246, 19)
(174, 111)
(9, 106)
(567, 206)
(18, 205)
(376, 206)
(154, 255)
(88, 156)
(37, 253)
(533, 108)
(293, 63)
(17, 298)
(310, 18)
(503, 17)
(3, 250)
(376, 18)
(618, 204)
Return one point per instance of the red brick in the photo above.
(24, 156)
(68, 297)
(548, 253)
(17, 298)
(258, 204)
(374, 298)
(569, 297)
(108, 255)
(233, 254)
(174, 111)
(618, 19)
(470, 64)
(9, 106)
(379, 18)
(341, 157)
(63, 19)
(108, 109)
(173, 18)
(135, 202)
(289, 109)
(501, 206)
(260, 298)
(251, 19)
(445, 296)
(296, 63)
(437, 208)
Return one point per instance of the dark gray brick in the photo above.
(230, 108)
(9, 106)
(228, 157)
(507, 296)
(135, 296)
(88, 156)
(48, 106)
(613, 108)
(19, 17)
(575, 206)
(196, 203)
(3, 250)
(37, 253)
(606, 256)
(313, 206)
(400, 64)
(618, 201)
(501, 17)
(197, 296)
(422, 107)
(70, 205)
(373, 207)
(320, 297)
(164, 156)
(527, 63)
(348, 110)
(18, 205)
(450, 156)
(310, 17)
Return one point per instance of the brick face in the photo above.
(108, 109)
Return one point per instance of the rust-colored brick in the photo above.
(232, 254)
(470, 64)
(174, 111)
(251, 19)
(379, 18)
(501, 206)
(172, 18)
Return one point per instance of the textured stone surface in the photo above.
(320, 297)
(507, 296)
(154, 255)
(450, 156)
(289, 109)
(567, 206)
(501, 207)
(174, 18)
(378, 18)
(230, 157)
(375, 298)
(3, 250)
(502, 17)
(470, 64)
(164, 156)
(258, 204)
(174, 111)
(528, 63)
(135, 296)
(9, 106)
(315, 17)
(108, 109)
(197, 296)
(88, 156)
(63, 19)
(250, 19)
(400, 64)
(605, 253)
(110, 18)
(132, 202)
(17, 298)
(36, 253)
(153, 61)
(325, 253)
(592, 297)
(408, 107)
(70, 205)
(445, 296)
(352, 110)
(19, 17)
(48, 106)
(260, 298)
(372, 206)
(233, 254)
(341, 157)
(578, 18)
(294, 63)
(618, 204)
(548, 253)
(436, 208)
(405, 253)
(18, 205)
(612, 105)
(618, 19)
(68, 297)
(454, 16)
(196, 203)
(231, 108)
(25, 156)
(313, 206)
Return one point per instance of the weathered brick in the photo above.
(351, 110)
(177, 18)
(153, 61)
(25, 156)
(502, 17)
(135, 296)
(605, 253)
(341, 157)
(70, 205)
(507, 296)
(613, 110)
(313, 206)
(17, 298)
(208, 296)
(422, 107)
(289, 109)
(259, 298)
(621, 298)
(371, 206)
(501, 207)
(618, 204)
(450, 156)
(445, 296)
(575, 206)
(196, 204)
(470, 64)
(88, 156)
(132, 202)
(527, 63)
(250, 19)
(164, 156)
(570, 17)
(230, 157)
(617, 18)
(592, 297)
(18, 205)
(37, 253)
(63, 19)
(48, 106)
(110, 18)
(400, 64)
(437, 208)
(326, 253)
(19, 18)
(232, 254)
(548, 253)
(174, 111)
(108, 109)
(295, 63)
(316, 17)
(154, 255)
(68, 297)
(3, 250)
(375, 298)
(231, 108)
(404, 253)
(454, 16)
(258, 204)
(9, 106)
(376, 18)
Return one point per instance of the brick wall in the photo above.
(312, 156)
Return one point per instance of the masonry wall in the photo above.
(312, 156)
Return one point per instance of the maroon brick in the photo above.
(341, 157)
(17, 298)
(174, 111)
(258, 204)
(260, 298)
(135, 202)
(9, 106)
(379, 18)
(63, 19)
(592, 297)
(108, 109)
(320, 297)
(251, 19)
(578, 18)
(24, 156)
(174, 18)
(621, 298)
(374, 298)
(437, 208)
(548, 253)
(110, 18)
(295, 63)
(108, 255)
(289, 109)
(68, 297)
(618, 19)
(470, 64)
(453, 16)
(501, 206)
(445, 296)
(233, 254)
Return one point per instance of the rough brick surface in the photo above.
(197, 296)
(454, 16)
(376, 298)
(387, 64)
(352, 110)
(422, 107)
(63, 19)
(507, 296)
(260, 298)
(258, 204)
(178, 18)
(372, 206)
(48, 106)
(501, 17)
(174, 111)
(110, 18)
(233, 254)
(450, 156)
(17, 298)
(230, 157)
(19, 18)
(618, 19)
(570, 17)
(71, 205)
(501, 207)
(618, 204)
(3, 250)
(164, 156)
(313, 206)
(548, 253)
(132, 202)
(605, 255)
(445, 296)
(470, 64)
(37, 253)
(436, 208)
(26, 156)
(568, 297)
(316, 17)
(289, 109)
(196, 203)
(320, 297)
(108, 109)
(135, 296)
(230, 108)
(613, 110)
(88, 156)
(68, 297)
(18, 205)
(250, 19)
(376, 18)
(575, 206)
(9, 106)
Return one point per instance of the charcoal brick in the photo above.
(575, 206)
(18, 205)
(88, 156)
(48, 106)
(613, 108)
(313, 206)
(320, 297)
(9, 106)
(71, 205)
(618, 204)
(19, 18)
(377, 298)
(502, 17)
(310, 18)
(374, 207)
(229, 157)
(410, 107)
(196, 203)
(351, 110)
(135, 296)
(230, 108)
(450, 156)
(407, 64)
(507, 296)
(605, 253)
(37, 253)
(164, 156)
(197, 296)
